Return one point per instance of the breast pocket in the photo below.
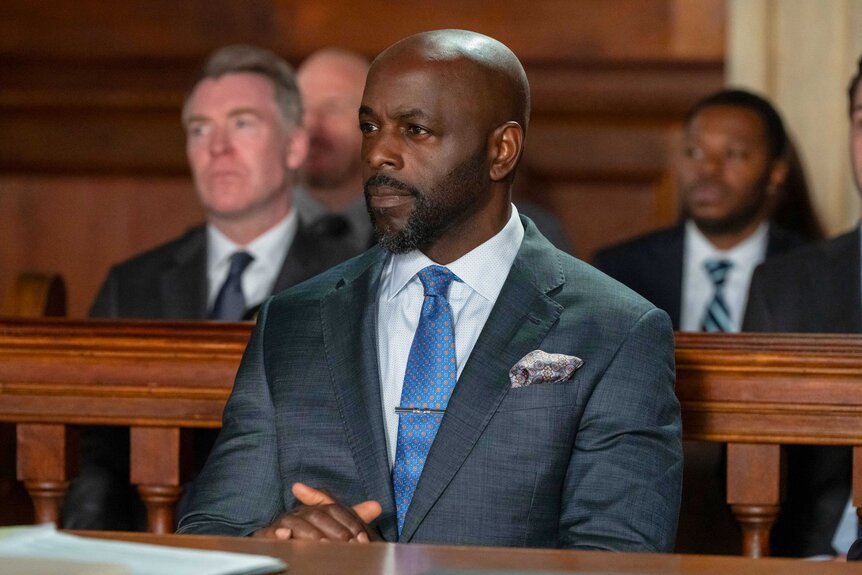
(541, 396)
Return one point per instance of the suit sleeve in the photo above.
(239, 489)
(624, 480)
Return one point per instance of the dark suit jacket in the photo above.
(814, 289)
(652, 264)
(170, 281)
(593, 462)
(167, 282)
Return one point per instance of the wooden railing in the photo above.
(756, 392)
(751, 391)
(155, 378)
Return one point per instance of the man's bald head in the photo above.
(496, 74)
(345, 62)
(331, 81)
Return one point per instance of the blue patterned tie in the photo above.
(432, 371)
(717, 315)
(230, 302)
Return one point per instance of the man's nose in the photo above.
(382, 152)
(709, 165)
(220, 142)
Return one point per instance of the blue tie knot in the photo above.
(717, 270)
(436, 280)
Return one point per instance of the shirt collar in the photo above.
(268, 249)
(750, 249)
(484, 269)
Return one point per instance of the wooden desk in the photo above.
(307, 558)
(751, 391)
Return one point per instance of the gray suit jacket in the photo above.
(815, 289)
(594, 462)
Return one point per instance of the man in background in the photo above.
(245, 143)
(730, 174)
(817, 288)
(331, 82)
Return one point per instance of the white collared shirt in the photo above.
(482, 271)
(697, 287)
(268, 250)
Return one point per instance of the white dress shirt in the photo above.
(697, 287)
(482, 271)
(268, 250)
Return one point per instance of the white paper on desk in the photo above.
(45, 542)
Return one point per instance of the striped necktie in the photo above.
(716, 317)
(432, 371)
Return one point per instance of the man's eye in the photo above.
(196, 130)
(737, 154)
(415, 130)
(367, 127)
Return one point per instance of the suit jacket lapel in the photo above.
(298, 264)
(349, 319)
(183, 284)
(311, 253)
(519, 322)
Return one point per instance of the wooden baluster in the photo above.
(753, 480)
(47, 458)
(155, 469)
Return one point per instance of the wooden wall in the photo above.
(92, 168)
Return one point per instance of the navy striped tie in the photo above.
(717, 314)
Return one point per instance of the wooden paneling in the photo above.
(90, 98)
(79, 225)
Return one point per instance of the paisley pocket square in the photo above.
(541, 367)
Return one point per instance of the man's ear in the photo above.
(297, 148)
(505, 147)
(777, 175)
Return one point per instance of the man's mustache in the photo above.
(383, 180)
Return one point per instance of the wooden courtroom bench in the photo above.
(754, 392)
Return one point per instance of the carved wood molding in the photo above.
(113, 373)
(742, 388)
(771, 388)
